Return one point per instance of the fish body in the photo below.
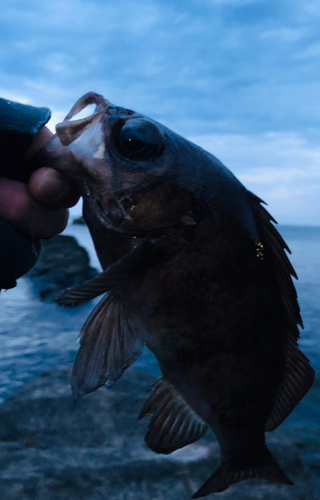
(195, 270)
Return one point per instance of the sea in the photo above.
(36, 336)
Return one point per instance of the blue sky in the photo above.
(239, 77)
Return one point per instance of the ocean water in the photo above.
(36, 336)
(304, 243)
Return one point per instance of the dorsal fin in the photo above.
(298, 375)
(276, 246)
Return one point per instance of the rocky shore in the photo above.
(63, 263)
(53, 450)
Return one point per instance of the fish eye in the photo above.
(138, 139)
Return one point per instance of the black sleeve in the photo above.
(18, 124)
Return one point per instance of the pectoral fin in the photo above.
(105, 281)
(299, 375)
(102, 283)
(109, 345)
(173, 424)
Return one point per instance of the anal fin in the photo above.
(173, 424)
(297, 380)
(110, 343)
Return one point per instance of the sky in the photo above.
(241, 78)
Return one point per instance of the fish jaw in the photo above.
(84, 137)
(77, 148)
(86, 100)
(85, 140)
(68, 131)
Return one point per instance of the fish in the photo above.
(194, 268)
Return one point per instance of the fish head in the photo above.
(139, 179)
(125, 166)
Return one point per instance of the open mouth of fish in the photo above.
(69, 130)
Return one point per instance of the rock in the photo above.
(63, 263)
(53, 450)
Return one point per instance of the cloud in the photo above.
(311, 51)
(284, 34)
(236, 69)
(312, 8)
(240, 3)
(207, 64)
(281, 168)
(11, 96)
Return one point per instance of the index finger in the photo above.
(21, 210)
(53, 189)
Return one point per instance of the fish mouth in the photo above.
(84, 101)
(69, 130)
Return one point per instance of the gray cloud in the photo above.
(233, 67)
(281, 168)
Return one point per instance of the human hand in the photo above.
(39, 208)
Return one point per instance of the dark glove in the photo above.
(18, 125)
(18, 254)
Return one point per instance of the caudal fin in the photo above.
(226, 475)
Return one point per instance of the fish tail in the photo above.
(227, 474)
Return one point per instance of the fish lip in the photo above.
(87, 99)
(69, 130)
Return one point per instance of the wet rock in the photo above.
(63, 263)
(53, 450)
